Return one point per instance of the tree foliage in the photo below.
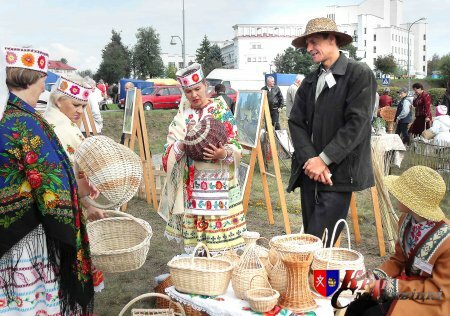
(115, 60)
(294, 62)
(444, 65)
(201, 54)
(86, 73)
(209, 56)
(386, 64)
(63, 60)
(433, 64)
(352, 51)
(147, 54)
(170, 72)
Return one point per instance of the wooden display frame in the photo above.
(90, 117)
(256, 153)
(139, 134)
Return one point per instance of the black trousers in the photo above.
(322, 210)
(402, 130)
(366, 306)
(275, 116)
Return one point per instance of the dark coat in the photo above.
(274, 97)
(340, 121)
(408, 118)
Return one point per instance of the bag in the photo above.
(427, 134)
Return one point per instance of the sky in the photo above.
(79, 30)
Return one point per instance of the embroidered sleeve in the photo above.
(379, 274)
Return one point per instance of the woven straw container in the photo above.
(278, 273)
(263, 253)
(262, 299)
(119, 244)
(173, 309)
(249, 266)
(203, 276)
(114, 169)
(207, 131)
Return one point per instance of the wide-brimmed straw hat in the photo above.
(421, 189)
(322, 25)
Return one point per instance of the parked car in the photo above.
(159, 97)
(229, 91)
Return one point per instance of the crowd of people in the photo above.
(45, 247)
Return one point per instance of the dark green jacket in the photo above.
(340, 121)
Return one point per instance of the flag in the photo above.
(326, 282)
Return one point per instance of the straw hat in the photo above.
(421, 189)
(322, 25)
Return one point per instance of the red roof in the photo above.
(56, 64)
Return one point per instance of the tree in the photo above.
(147, 59)
(386, 64)
(352, 51)
(63, 60)
(213, 60)
(170, 72)
(433, 64)
(294, 62)
(444, 66)
(201, 54)
(86, 73)
(115, 60)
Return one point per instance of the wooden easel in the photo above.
(256, 153)
(139, 133)
(90, 117)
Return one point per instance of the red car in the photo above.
(161, 97)
(229, 91)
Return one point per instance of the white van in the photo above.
(239, 79)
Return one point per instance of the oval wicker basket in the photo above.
(119, 244)
(203, 276)
(278, 274)
(114, 169)
(172, 310)
(262, 299)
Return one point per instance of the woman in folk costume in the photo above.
(201, 198)
(420, 266)
(45, 264)
(64, 110)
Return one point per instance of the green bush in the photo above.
(436, 95)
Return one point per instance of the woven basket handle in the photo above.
(148, 295)
(259, 275)
(325, 237)
(200, 244)
(118, 214)
(348, 232)
(90, 201)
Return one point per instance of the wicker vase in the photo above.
(263, 253)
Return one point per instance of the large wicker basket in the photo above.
(174, 309)
(119, 244)
(204, 276)
(262, 299)
(114, 169)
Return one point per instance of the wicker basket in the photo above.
(119, 244)
(204, 276)
(263, 253)
(174, 309)
(262, 299)
(114, 169)
(278, 274)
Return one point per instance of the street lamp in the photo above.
(183, 42)
(409, 74)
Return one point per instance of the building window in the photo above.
(254, 59)
(365, 43)
(259, 59)
(171, 64)
(423, 57)
(423, 68)
(365, 30)
(180, 64)
(424, 48)
(392, 36)
(374, 49)
(264, 59)
(354, 32)
(374, 60)
(424, 37)
(249, 59)
(258, 46)
(374, 37)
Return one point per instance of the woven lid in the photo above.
(207, 131)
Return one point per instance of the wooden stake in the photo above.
(354, 212)
(379, 227)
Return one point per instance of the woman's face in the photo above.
(197, 95)
(73, 109)
(36, 89)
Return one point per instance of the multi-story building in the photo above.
(175, 60)
(378, 29)
(60, 68)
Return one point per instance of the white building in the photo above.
(255, 46)
(176, 61)
(378, 29)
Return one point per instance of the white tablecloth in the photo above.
(390, 143)
(229, 305)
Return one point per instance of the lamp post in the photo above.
(183, 41)
(409, 74)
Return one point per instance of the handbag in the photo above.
(427, 134)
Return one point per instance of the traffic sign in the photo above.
(386, 81)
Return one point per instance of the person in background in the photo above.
(419, 270)
(385, 99)
(291, 92)
(128, 86)
(102, 87)
(115, 93)
(441, 127)
(95, 97)
(220, 91)
(275, 99)
(422, 104)
(403, 116)
(45, 263)
(197, 190)
(330, 129)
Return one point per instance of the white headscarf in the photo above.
(4, 92)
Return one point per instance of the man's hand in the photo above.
(317, 170)
(215, 153)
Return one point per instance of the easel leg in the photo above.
(248, 187)
(354, 212)
(377, 214)
(262, 170)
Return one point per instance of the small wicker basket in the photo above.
(262, 299)
(278, 274)
(174, 309)
(119, 244)
(203, 276)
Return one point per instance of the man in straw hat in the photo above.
(416, 279)
(330, 128)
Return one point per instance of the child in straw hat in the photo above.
(416, 279)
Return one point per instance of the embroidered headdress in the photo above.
(190, 76)
(26, 58)
(72, 89)
(421, 189)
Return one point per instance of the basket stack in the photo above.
(262, 299)
(119, 242)
(203, 276)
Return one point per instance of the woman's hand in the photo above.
(214, 153)
(93, 191)
(94, 213)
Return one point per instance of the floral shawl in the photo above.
(37, 186)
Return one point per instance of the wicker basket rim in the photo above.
(275, 294)
(173, 264)
(319, 252)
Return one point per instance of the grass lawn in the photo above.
(122, 287)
